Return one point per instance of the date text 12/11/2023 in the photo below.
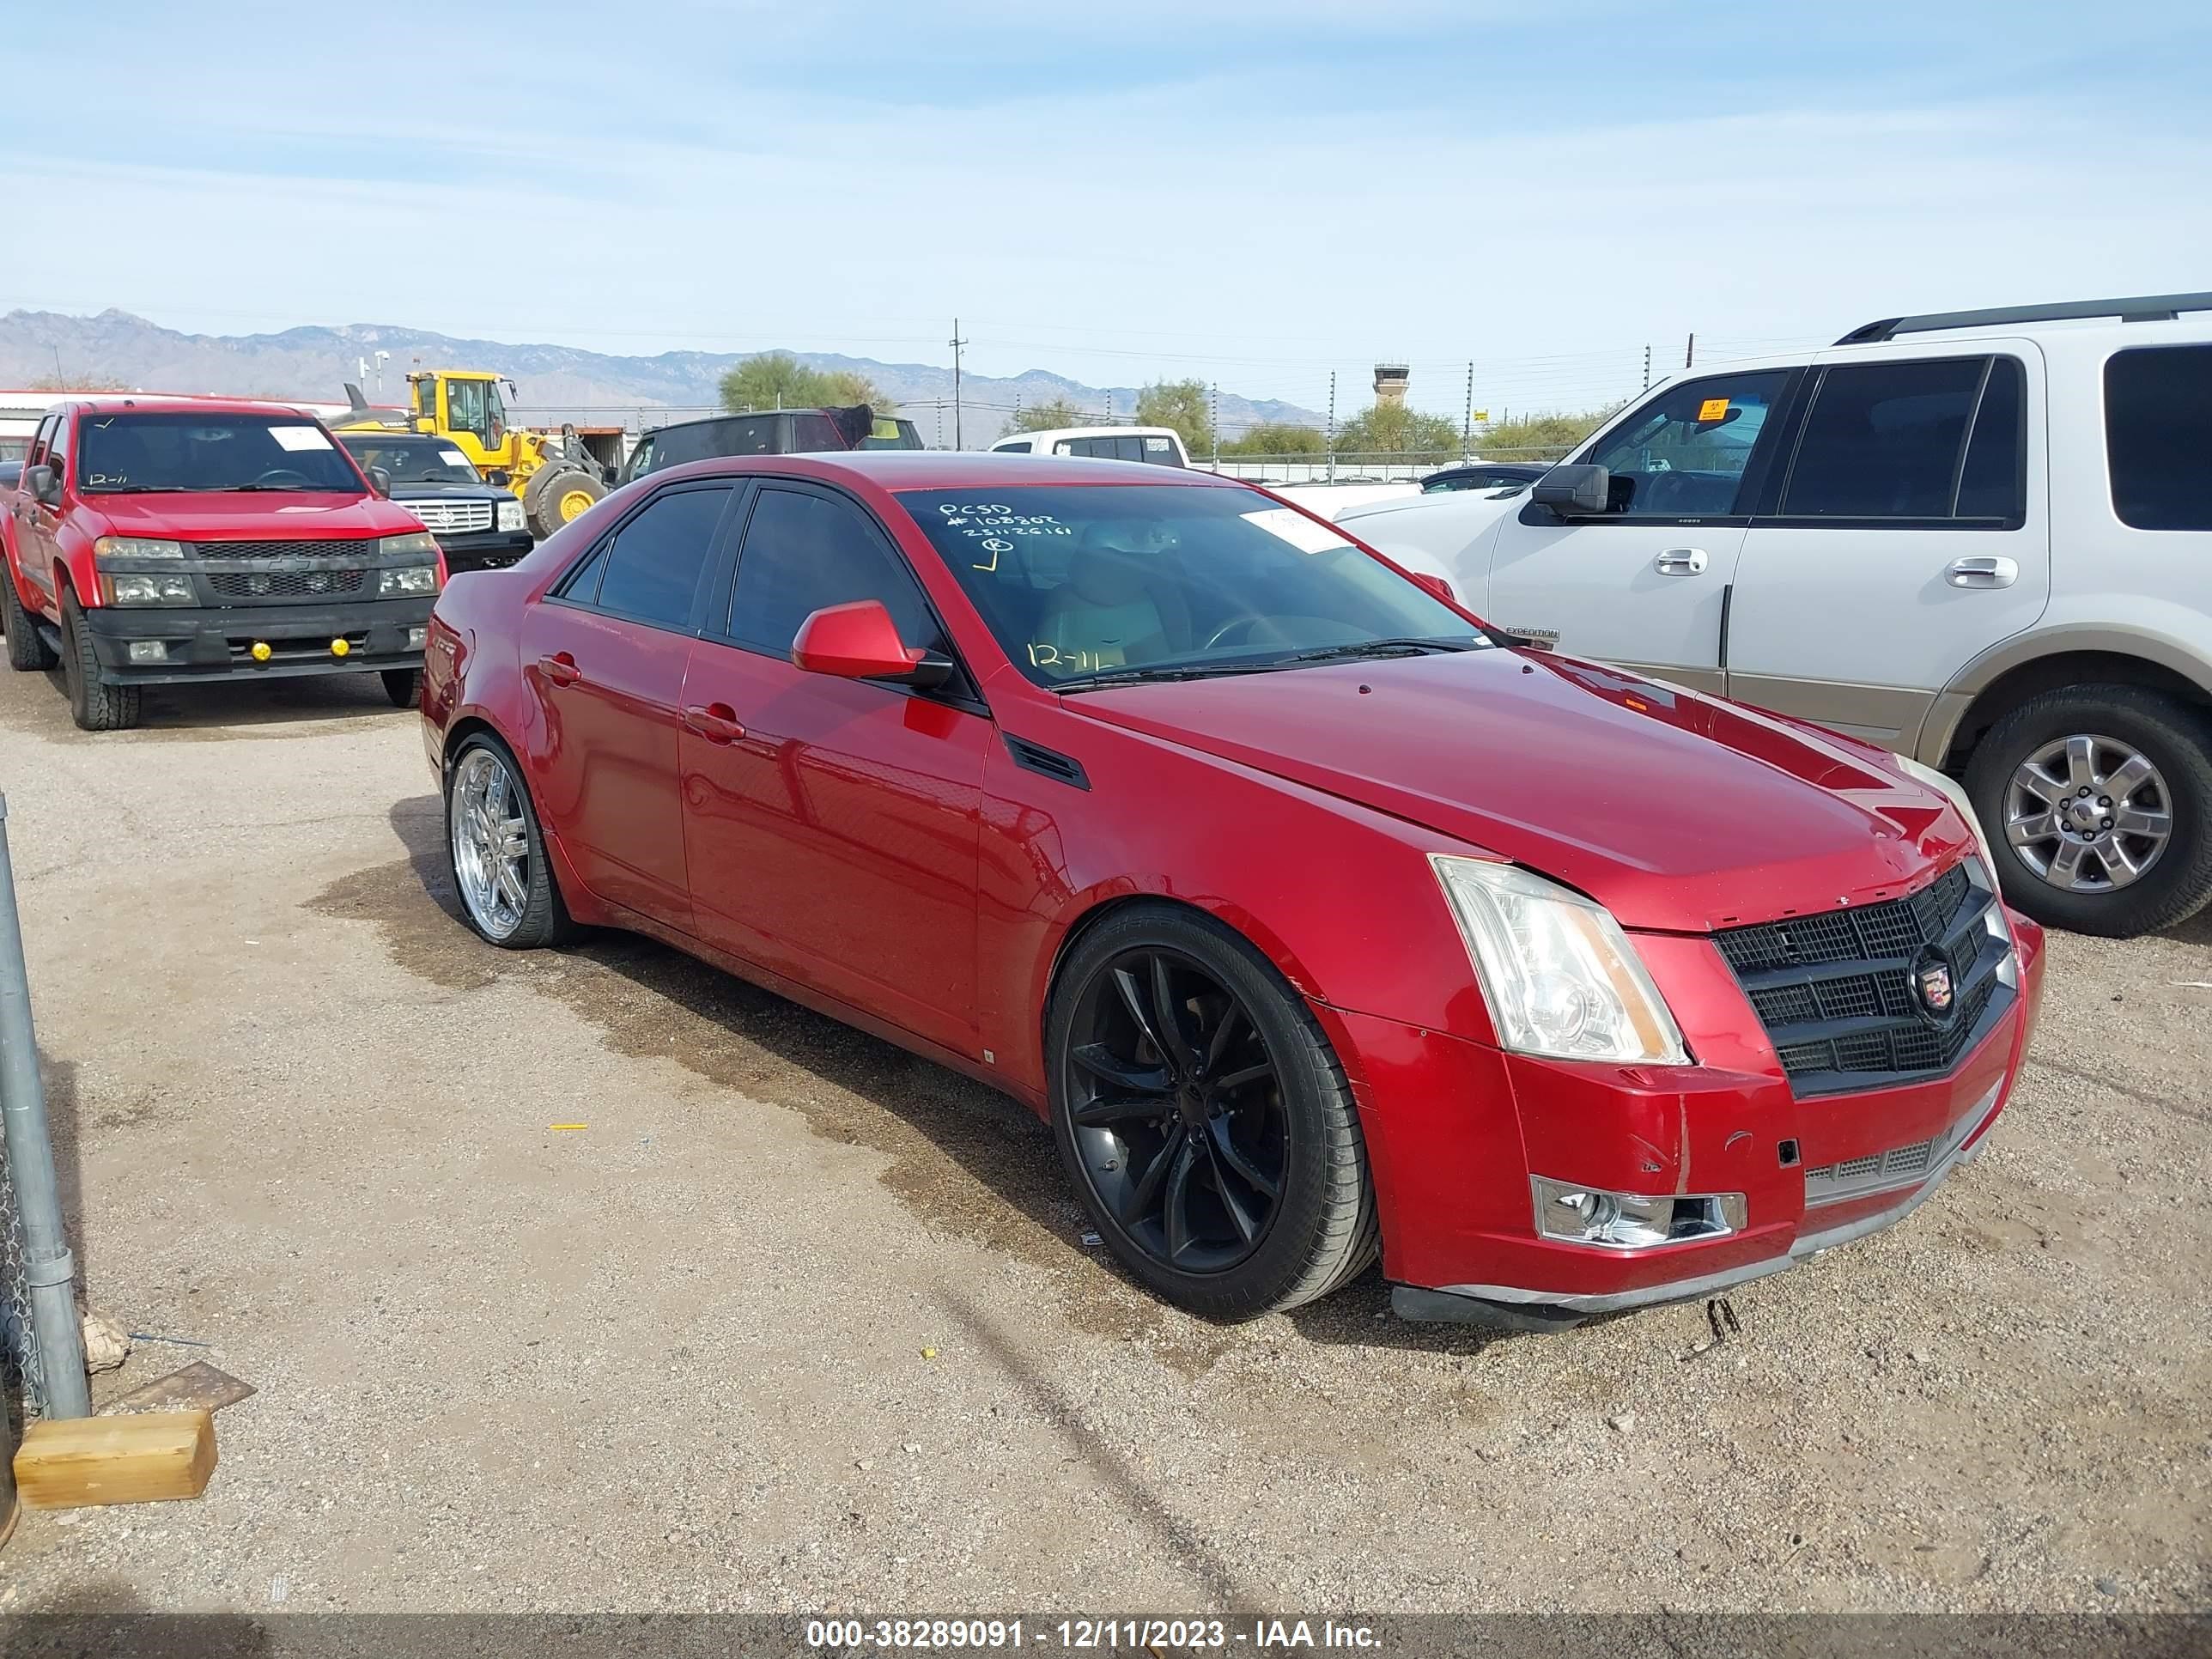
(1260, 1634)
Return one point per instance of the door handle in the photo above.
(717, 722)
(560, 668)
(1983, 572)
(1681, 562)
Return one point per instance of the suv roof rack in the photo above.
(2146, 308)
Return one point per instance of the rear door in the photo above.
(832, 824)
(1644, 584)
(1898, 539)
(603, 656)
(33, 545)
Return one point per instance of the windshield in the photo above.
(892, 434)
(412, 460)
(127, 452)
(1093, 581)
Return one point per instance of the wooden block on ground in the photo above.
(139, 1459)
(199, 1386)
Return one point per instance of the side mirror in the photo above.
(497, 479)
(380, 481)
(43, 484)
(1435, 585)
(1581, 489)
(860, 642)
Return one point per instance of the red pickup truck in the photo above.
(157, 541)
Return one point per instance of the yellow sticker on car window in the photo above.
(1713, 409)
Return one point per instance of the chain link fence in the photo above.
(19, 1337)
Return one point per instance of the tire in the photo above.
(1294, 1121)
(540, 918)
(2026, 757)
(548, 490)
(403, 686)
(93, 705)
(28, 650)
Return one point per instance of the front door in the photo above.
(832, 824)
(603, 655)
(1903, 542)
(1644, 584)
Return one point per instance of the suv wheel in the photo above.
(93, 705)
(28, 649)
(2099, 799)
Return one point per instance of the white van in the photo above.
(1160, 445)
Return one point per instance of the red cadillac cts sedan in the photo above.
(1319, 921)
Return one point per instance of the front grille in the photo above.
(1836, 991)
(355, 550)
(278, 584)
(452, 518)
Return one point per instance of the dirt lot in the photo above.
(683, 1358)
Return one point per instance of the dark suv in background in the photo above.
(478, 525)
(772, 432)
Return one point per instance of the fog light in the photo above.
(261, 651)
(1631, 1221)
(150, 651)
(339, 647)
(419, 637)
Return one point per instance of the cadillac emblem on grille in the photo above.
(1931, 983)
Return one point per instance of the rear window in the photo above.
(135, 454)
(2158, 436)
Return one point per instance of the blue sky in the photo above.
(1252, 193)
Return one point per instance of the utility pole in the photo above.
(1647, 369)
(1690, 356)
(1467, 428)
(957, 343)
(1213, 418)
(1331, 426)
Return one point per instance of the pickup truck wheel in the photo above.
(2098, 800)
(403, 686)
(28, 649)
(94, 706)
(495, 853)
(1203, 1118)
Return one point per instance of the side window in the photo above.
(802, 551)
(1883, 440)
(1684, 453)
(2158, 435)
(582, 584)
(1021, 448)
(57, 447)
(654, 562)
(1993, 482)
(426, 399)
(814, 432)
(1161, 451)
(40, 442)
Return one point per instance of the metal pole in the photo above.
(1213, 419)
(1467, 431)
(1331, 426)
(48, 1267)
(957, 343)
(1647, 369)
(1689, 356)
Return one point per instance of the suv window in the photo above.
(802, 551)
(1683, 454)
(2158, 435)
(1889, 441)
(1020, 448)
(651, 569)
(815, 432)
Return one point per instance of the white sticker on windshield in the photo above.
(454, 457)
(1296, 529)
(298, 437)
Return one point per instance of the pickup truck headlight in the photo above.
(511, 516)
(416, 544)
(129, 588)
(136, 547)
(408, 579)
(1561, 978)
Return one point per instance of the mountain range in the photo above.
(118, 351)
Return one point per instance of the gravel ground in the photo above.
(800, 1323)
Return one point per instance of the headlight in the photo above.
(129, 589)
(408, 579)
(1560, 976)
(416, 544)
(136, 547)
(511, 516)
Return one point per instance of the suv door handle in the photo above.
(1681, 562)
(560, 668)
(1981, 571)
(717, 722)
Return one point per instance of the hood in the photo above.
(232, 515)
(1676, 812)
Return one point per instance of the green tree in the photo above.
(1278, 438)
(1046, 417)
(777, 379)
(1541, 436)
(849, 385)
(1395, 429)
(1182, 404)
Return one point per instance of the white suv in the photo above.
(1981, 539)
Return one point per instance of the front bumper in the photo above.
(483, 550)
(217, 643)
(1455, 1129)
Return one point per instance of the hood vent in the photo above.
(1046, 762)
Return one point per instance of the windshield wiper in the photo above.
(1358, 648)
(258, 488)
(1189, 671)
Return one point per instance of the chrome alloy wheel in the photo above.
(491, 846)
(2088, 814)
